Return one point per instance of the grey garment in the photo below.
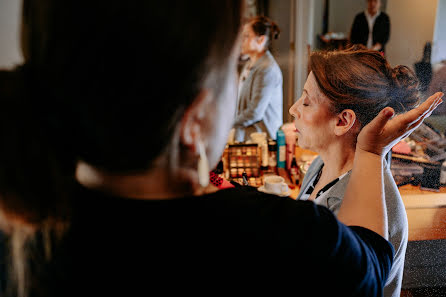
(396, 215)
(260, 100)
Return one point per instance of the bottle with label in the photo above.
(272, 155)
(265, 156)
(281, 149)
(294, 172)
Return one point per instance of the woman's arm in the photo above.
(364, 201)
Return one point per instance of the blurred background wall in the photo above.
(439, 45)
(413, 23)
(10, 54)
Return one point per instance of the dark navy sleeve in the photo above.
(340, 260)
(370, 255)
(360, 257)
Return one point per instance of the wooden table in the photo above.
(426, 213)
(425, 261)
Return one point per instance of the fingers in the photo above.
(432, 107)
(378, 123)
(435, 96)
(417, 122)
(413, 116)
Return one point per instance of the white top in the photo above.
(307, 191)
(371, 21)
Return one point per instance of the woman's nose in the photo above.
(291, 110)
(294, 109)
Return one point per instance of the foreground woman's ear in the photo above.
(192, 129)
(193, 133)
(345, 121)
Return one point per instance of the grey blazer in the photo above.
(396, 213)
(260, 100)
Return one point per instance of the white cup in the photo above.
(275, 184)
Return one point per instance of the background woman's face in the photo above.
(313, 118)
(249, 40)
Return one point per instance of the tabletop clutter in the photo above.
(273, 166)
(419, 159)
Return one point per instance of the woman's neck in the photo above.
(338, 159)
(253, 58)
(152, 184)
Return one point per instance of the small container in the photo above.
(272, 155)
(264, 155)
(255, 171)
(220, 167)
(281, 149)
(294, 172)
(239, 161)
(245, 179)
(225, 160)
(248, 172)
(233, 161)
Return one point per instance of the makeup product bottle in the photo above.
(245, 179)
(265, 155)
(294, 172)
(281, 149)
(272, 155)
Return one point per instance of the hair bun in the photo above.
(275, 30)
(404, 90)
(403, 76)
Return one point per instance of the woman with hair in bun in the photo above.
(260, 98)
(344, 91)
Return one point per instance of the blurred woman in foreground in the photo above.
(109, 195)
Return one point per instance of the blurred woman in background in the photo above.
(260, 98)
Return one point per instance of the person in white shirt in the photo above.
(371, 27)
